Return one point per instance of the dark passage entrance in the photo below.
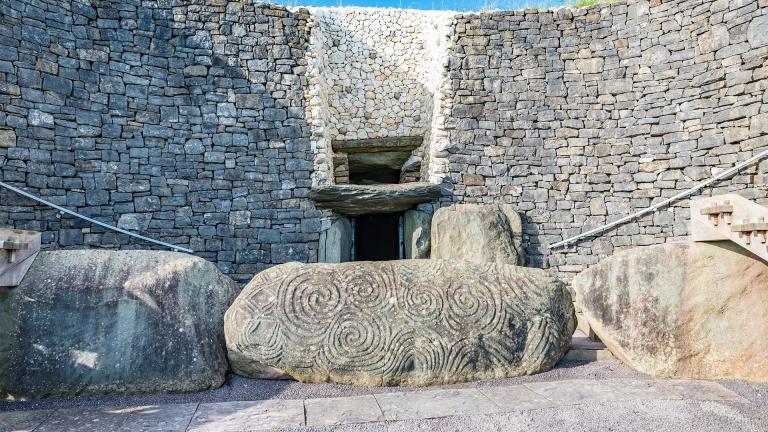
(377, 237)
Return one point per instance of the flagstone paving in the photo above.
(378, 411)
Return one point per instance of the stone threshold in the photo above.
(385, 407)
(356, 200)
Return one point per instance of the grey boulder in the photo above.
(477, 233)
(408, 322)
(694, 310)
(90, 321)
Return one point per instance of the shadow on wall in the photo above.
(186, 124)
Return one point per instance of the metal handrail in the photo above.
(722, 175)
(93, 221)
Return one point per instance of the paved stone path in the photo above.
(387, 407)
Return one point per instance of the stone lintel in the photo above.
(407, 143)
(355, 200)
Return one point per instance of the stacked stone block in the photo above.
(373, 74)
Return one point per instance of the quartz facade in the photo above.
(374, 73)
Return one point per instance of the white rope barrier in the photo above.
(727, 173)
(93, 221)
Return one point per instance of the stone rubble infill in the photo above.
(387, 407)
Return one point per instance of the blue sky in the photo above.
(457, 5)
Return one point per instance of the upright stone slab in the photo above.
(408, 322)
(336, 242)
(92, 321)
(695, 310)
(416, 234)
(477, 233)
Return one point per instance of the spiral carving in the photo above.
(358, 341)
(422, 299)
(308, 301)
(473, 303)
(402, 322)
(369, 289)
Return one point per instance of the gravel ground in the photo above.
(243, 389)
(625, 416)
(238, 388)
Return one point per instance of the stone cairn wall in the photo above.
(205, 123)
(186, 123)
(579, 117)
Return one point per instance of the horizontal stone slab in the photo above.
(355, 200)
(377, 144)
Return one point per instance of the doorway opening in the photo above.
(377, 237)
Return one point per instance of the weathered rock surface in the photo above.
(409, 322)
(681, 310)
(336, 242)
(417, 234)
(477, 233)
(114, 321)
(355, 200)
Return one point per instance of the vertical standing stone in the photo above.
(336, 242)
(417, 234)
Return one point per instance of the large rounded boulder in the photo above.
(90, 321)
(695, 310)
(477, 233)
(409, 322)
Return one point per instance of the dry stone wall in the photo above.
(579, 117)
(380, 67)
(205, 123)
(181, 120)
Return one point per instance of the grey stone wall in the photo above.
(579, 117)
(187, 120)
(183, 120)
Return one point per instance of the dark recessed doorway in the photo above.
(377, 237)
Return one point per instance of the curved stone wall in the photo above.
(579, 117)
(205, 123)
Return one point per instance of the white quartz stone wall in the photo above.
(374, 73)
